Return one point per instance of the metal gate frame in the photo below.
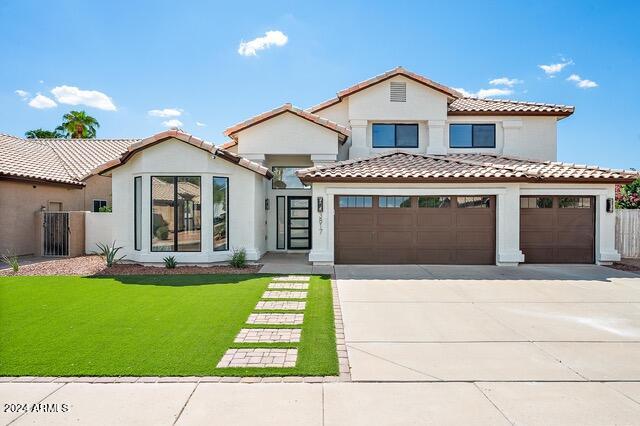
(56, 230)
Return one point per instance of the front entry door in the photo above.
(299, 223)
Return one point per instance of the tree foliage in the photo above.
(43, 134)
(628, 196)
(78, 125)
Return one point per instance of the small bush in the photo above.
(238, 258)
(11, 260)
(162, 233)
(105, 209)
(109, 253)
(170, 262)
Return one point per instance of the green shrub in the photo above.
(239, 258)
(162, 232)
(11, 260)
(105, 209)
(109, 253)
(628, 196)
(170, 262)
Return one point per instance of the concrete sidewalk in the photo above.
(486, 403)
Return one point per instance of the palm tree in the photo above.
(78, 125)
(43, 134)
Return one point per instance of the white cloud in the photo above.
(42, 102)
(165, 113)
(271, 38)
(172, 123)
(22, 93)
(505, 81)
(552, 69)
(582, 83)
(200, 124)
(484, 93)
(72, 95)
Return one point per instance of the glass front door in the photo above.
(299, 223)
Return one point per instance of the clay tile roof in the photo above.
(229, 144)
(26, 159)
(341, 130)
(184, 137)
(474, 106)
(405, 167)
(452, 93)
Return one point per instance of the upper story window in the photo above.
(472, 135)
(394, 135)
(285, 178)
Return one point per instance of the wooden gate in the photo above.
(56, 234)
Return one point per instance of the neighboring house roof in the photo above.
(229, 144)
(30, 160)
(184, 137)
(451, 93)
(458, 105)
(474, 106)
(400, 166)
(341, 130)
(163, 191)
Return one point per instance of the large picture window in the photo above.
(220, 214)
(137, 213)
(175, 213)
(394, 135)
(472, 135)
(285, 178)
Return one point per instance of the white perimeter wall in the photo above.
(507, 213)
(98, 228)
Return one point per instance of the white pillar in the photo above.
(359, 147)
(606, 252)
(437, 145)
(508, 227)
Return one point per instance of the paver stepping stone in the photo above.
(285, 305)
(293, 278)
(259, 358)
(279, 319)
(283, 294)
(268, 335)
(289, 286)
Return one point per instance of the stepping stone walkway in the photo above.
(276, 319)
(268, 335)
(288, 286)
(293, 278)
(276, 305)
(284, 294)
(259, 358)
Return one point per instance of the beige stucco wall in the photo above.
(19, 201)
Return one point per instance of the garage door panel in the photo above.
(404, 235)
(557, 235)
(395, 238)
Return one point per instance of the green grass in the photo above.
(147, 326)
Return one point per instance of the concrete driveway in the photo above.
(488, 323)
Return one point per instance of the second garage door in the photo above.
(415, 230)
(557, 229)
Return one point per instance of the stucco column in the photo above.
(437, 145)
(606, 252)
(511, 139)
(359, 148)
(508, 227)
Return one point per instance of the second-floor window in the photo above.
(472, 135)
(285, 178)
(386, 135)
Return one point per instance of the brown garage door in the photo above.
(418, 230)
(558, 229)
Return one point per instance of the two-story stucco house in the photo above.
(396, 169)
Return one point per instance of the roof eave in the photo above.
(521, 179)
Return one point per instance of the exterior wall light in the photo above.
(320, 204)
(266, 204)
(609, 205)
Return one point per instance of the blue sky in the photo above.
(141, 56)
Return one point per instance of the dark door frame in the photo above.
(289, 208)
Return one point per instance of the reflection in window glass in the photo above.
(394, 202)
(575, 202)
(137, 213)
(162, 216)
(472, 135)
(188, 211)
(474, 202)
(536, 202)
(281, 223)
(220, 218)
(383, 135)
(434, 202)
(285, 178)
(355, 201)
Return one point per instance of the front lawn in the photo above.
(178, 325)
